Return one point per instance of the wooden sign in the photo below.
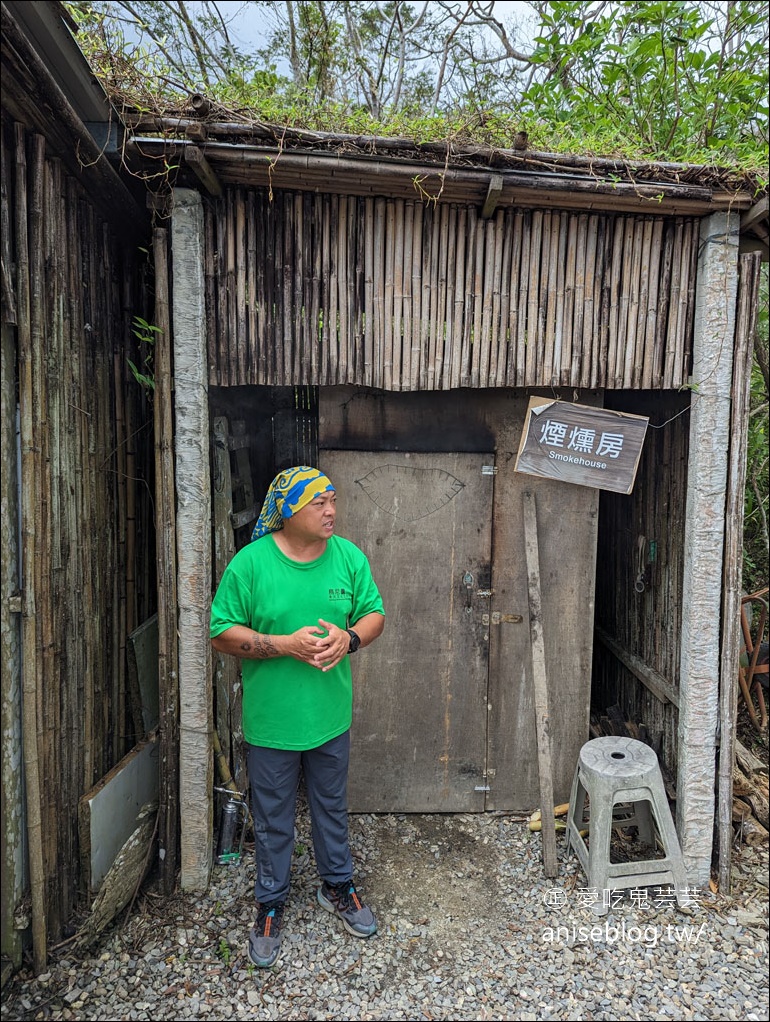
(581, 444)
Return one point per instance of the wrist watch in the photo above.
(355, 640)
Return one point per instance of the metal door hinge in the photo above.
(489, 470)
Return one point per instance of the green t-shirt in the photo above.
(288, 704)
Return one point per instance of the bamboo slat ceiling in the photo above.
(397, 294)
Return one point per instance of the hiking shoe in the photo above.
(265, 936)
(343, 901)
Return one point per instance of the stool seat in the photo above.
(620, 781)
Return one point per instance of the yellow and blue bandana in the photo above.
(289, 492)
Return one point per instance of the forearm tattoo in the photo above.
(260, 647)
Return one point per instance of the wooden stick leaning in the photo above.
(542, 716)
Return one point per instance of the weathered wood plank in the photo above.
(540, 679)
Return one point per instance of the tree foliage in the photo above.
(657, 80)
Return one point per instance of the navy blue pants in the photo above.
(274, 779)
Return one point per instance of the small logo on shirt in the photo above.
(339, 594)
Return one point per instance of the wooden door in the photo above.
(419, 736)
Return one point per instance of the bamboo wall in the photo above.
(306, 288)
(642, 541)
(86, 510)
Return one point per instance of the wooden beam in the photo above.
(203, 170)
(494, 191)
(758, 211)
(196, 131)
(542, 716)
(649, 677)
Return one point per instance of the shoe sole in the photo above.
(265, 963)
(325, 903)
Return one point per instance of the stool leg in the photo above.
(599, 839)
(671, 847)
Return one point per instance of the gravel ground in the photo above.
(469, 929)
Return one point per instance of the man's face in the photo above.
(316, 519)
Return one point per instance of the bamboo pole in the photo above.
(548, 294)
(613, 343)
(559, 258)
(166, 559)
(645, 272)
(524, 285)
(570, 275)
(687, 301)
(650, 303)
(408, 304)
(428, 257)
(259, 276)
(252, 290)
(670, 363)
(603, 303)
(635, 274)
(30, 524)
(298, 307)
(270, 293)
(389, 271)
(487, 302)
(379, 290)
(326, 289)
(517, 230)
(398, 292)
(450, 344)
(369, 271)
(358, 249)
(231, 326)
(577, 353)
(589, 338)
(439, 295)
(211, 299)
(599, 355)
(241, 290)
(625, 300)
(220, 278)
(662, 311)
(431, 298)
(533, 298)
(478, 301)
(347, 298)
(315, 256)
(333, 327)
(418, 262)
(115, 452)
(286, 338)
(504, 346)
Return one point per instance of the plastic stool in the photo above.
(621, 770)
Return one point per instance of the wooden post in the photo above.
(731, 608)
(540, 679)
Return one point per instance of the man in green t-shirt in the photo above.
(293, 605)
